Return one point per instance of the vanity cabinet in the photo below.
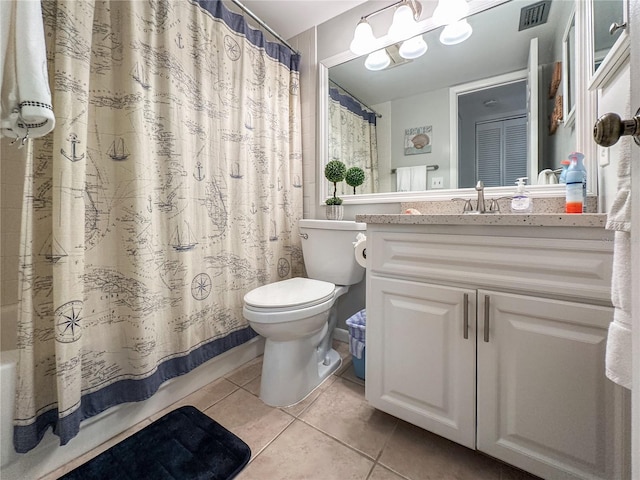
(511, 326)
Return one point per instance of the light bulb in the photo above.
(378, 60)
(456, 33)
(363, 39)
(450, 11)
(403, 25)
(413, 48)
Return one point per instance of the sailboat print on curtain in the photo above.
(52, 250)
(118, 150)
(273, 237)
(235, 171)
(182, 239)
(139, 74)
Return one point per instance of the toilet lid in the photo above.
(294, 293)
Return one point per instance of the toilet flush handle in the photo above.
(304, 235)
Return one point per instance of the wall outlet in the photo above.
(603, 156)
(436, 182)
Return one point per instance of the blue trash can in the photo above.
(357, 329)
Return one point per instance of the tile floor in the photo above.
(332, 434)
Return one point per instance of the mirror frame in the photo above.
(582, 138)
(569, 71)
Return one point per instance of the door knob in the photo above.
(610, 127)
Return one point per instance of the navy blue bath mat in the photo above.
(184, 444)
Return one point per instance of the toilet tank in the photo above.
(327, 247)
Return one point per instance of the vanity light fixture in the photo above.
(404, 28)
(404, 25)
(362, 38)
(378, 60)
(455, 33)
(413, 48)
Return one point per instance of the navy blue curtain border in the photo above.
(352, 105)
(238, 24)
(27, 437)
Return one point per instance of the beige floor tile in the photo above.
(346, 364)
(381, 473)
(342, 348)
(202, 399)
(342, 412)
(75, 463)
(303, 453)
(297, 409)
(250, 419)
(421, 455)
(247, 372)
(350, 374)
(254, 386)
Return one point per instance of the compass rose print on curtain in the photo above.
(168, 189)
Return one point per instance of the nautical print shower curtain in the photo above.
(352, 140)
(170, 187)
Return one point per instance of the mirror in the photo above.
(605, 14)
(414, 98)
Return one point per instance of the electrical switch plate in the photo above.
(436, 182)
(603, 156)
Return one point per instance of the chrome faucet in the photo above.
(480, 206)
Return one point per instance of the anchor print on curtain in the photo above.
(169, 189)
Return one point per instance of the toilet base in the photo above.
(285, 379)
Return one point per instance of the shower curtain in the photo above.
(352, 140)
(169, 188)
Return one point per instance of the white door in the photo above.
(424, 368)
(634, 31)
(620, 93)
(544, 403)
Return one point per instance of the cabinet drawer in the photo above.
(567, 267)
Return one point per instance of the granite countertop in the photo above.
(593, 220)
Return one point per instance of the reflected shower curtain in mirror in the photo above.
(169, 188)
(352, 140)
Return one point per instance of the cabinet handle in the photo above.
(466, 316)
(486, 317)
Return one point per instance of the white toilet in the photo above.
(297, 316)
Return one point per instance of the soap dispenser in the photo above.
(521, 201)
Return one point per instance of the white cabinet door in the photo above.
(544, 403)
(423, 369)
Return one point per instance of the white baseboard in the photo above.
(341, 335)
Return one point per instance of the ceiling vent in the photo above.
(534, 15)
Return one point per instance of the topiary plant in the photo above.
(354, 177)
(335, 172)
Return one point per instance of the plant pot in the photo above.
(335, 212)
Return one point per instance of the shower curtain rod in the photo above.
(378, 115)
(264, 25)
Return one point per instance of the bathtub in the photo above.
(8, 362)
(49, 455)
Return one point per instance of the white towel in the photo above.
(403, 179)
(547, 177)
(618, 357)
(25, 98)
(418, 178)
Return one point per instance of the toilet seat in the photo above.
(291, 294)
(288, 300)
